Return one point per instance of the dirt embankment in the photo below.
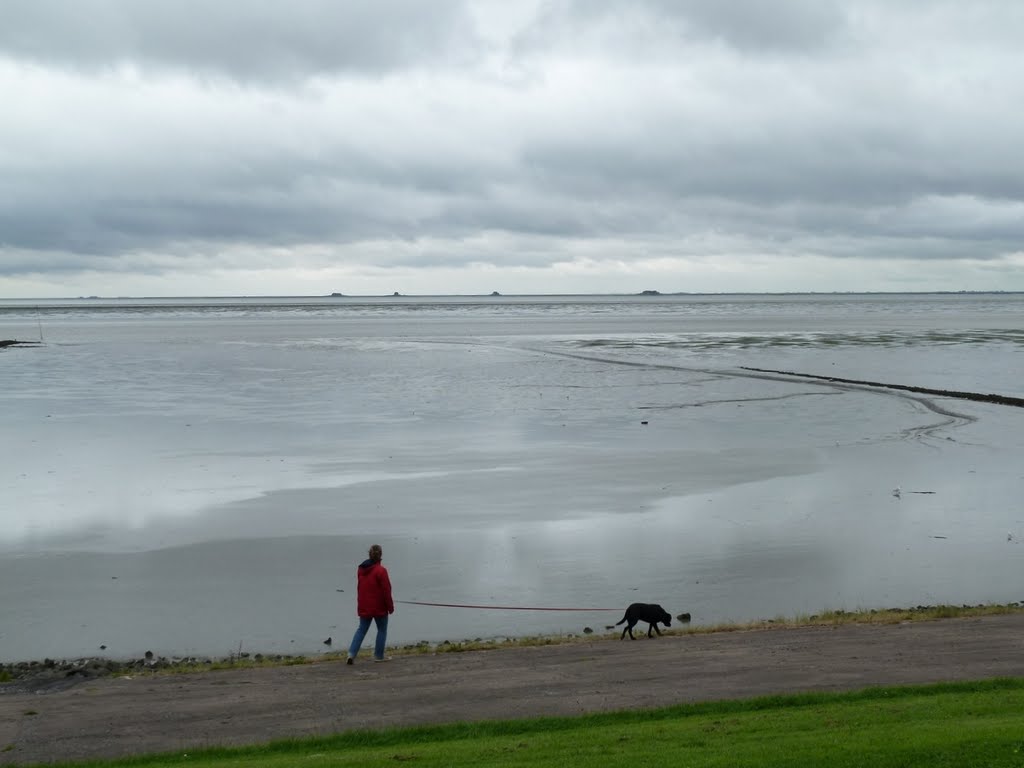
(131, 714)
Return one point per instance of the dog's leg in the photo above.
(655, 625)
(624, 631)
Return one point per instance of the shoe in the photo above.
(386, 658)
(349, 660)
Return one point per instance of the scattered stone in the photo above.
(588, 631)
(684, 618)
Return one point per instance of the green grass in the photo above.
(954, 724)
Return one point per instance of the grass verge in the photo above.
(962, 724)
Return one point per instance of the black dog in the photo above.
(648, 612)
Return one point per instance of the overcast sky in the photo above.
(258, 147)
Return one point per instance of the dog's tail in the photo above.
(622, 620)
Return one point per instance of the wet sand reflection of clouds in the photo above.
(231, 471)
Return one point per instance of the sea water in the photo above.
(199, 476)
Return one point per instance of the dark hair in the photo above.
(376, 553)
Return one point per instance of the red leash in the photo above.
(501, 607)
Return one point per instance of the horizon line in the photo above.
(497, 295)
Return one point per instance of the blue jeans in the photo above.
(364, 627)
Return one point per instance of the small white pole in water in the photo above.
(39, 320)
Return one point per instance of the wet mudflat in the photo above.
(202, 477)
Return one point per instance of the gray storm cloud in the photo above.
(251, 40)
(514, 135)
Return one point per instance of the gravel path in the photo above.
(113, 717)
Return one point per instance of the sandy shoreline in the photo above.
(124, 715)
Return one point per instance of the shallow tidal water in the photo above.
(196, 476)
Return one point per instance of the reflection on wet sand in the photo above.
(220, 492)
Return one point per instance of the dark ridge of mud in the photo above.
(980, 397)
(16, 343)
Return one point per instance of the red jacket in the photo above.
(374, 590)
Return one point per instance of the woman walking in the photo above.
(374, 604)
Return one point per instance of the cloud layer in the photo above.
(163, 148)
